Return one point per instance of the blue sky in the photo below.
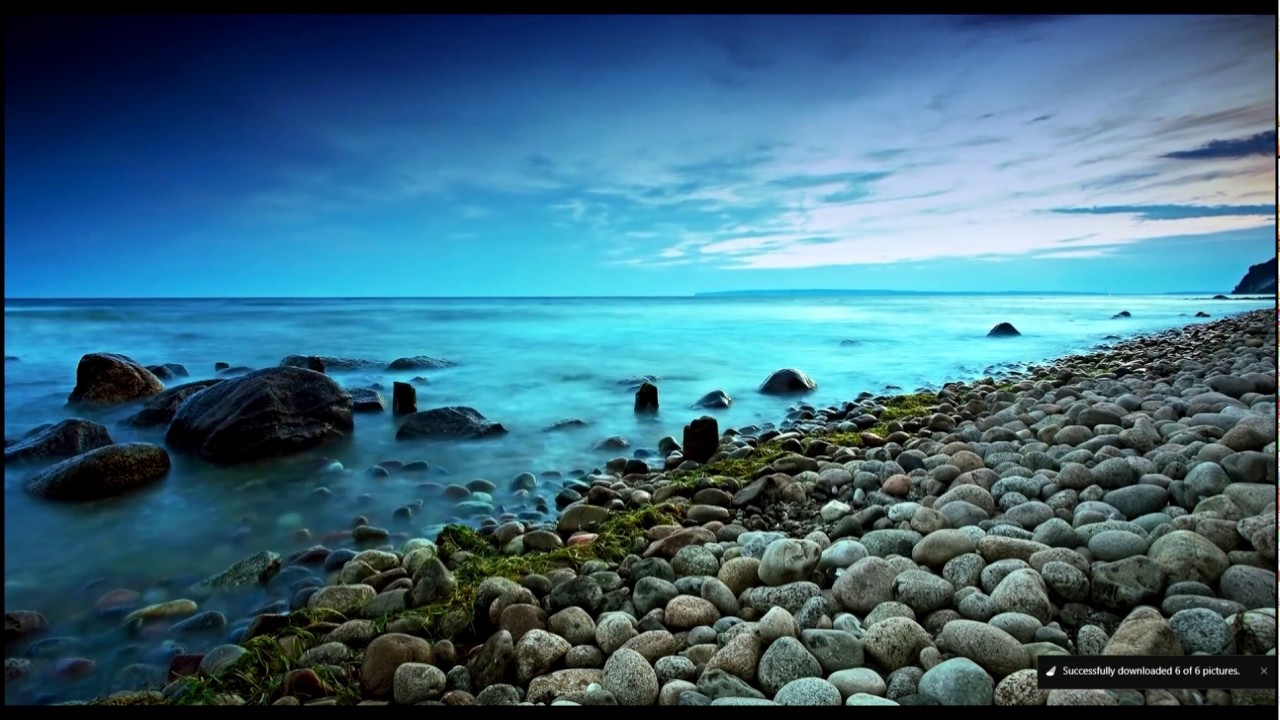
(635, 155)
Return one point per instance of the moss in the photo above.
(844, 439)
(737, 469)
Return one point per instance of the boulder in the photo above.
(160, 409)
(329, 362)
(101, 473)
(788, 381)
(647, 398)
(404, 398)
(714, 400)
(66, 439)
(266, 413)
(419, 362)
(701, 439)
(455, 423)
(108, 379)
(1004, 329)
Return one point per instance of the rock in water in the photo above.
(66, 439)
(328, 362)
(787, 381)
(714, 400)
(1121, 315)
(107, 378)
(404, 398)
(701, 439)
(1004, 329)
(168, 371)
(101, 473)
(448, 423)
(366, 400)
(161, 408)
(647, 398)
(247, 574)
(276, 411)
(419, 362)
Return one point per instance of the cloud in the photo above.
(1174, 212)
(1263, 144)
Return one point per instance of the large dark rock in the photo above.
(701, 439)
(168, 371)
(647, 398)
(1004, 329)
(1259, 280)
(108, 379)
(329, 362)
(714, 400)
(788, 381)
(419, 362)
(1122, 315)
(404, 398)
(161, 408)
(270, 412)
(456, 423)
(66, 439)
(101, 473)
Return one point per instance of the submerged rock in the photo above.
(787, 381)
(168, 371)
(714, 400)
(108, 379)
(247, 574)
(567, 424)
(161, 409)
(66, 439)
(101, 473)
(420, 362)
(1120, 315)
(271, 412)
(455, 422)
(329, 362)
(367, 400)
(1004, 329)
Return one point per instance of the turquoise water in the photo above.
(524, 363)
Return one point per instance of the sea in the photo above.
(526, 363)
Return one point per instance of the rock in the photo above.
(787, 560)
(701, 439)
(366, 400)
(1144, 632)
(687, 611)
(835, 650)
(740, 657)
(1200, 630)
(160, 409)
(23, 624)
(809, 692)
(1252, 587)
(546, 688)
(456, 423)
(220, 659)
(266, 413)
(1184, 555)
(866, 584)
(419, 362)
(1019, 689)
(65, 439)
(101, 473)
(647, 398)
(384, 655)
(404, 398)
(168, 371)
(329, 363)
(788, 381)
(495, 660)
(630, 678)
(346, 599)
(247, 574)
(714, 400)
(958, 681)
(937, 548)
(414, 682)
(995, 650)
(896, 642)
(109, 379)
(1004, 329)
(168, 609)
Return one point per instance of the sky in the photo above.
(420, 155)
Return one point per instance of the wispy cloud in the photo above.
(1174, 212)
(1263, 144)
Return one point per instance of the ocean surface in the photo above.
(526, 363)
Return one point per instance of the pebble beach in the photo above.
(913, 549)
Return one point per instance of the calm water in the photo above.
(524, 363)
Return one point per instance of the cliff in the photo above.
(1261, 279)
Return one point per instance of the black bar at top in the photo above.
(1196, 672)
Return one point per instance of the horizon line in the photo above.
(696, 295)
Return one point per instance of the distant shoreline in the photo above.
(725, 294)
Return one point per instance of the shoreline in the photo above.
(520, 642)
